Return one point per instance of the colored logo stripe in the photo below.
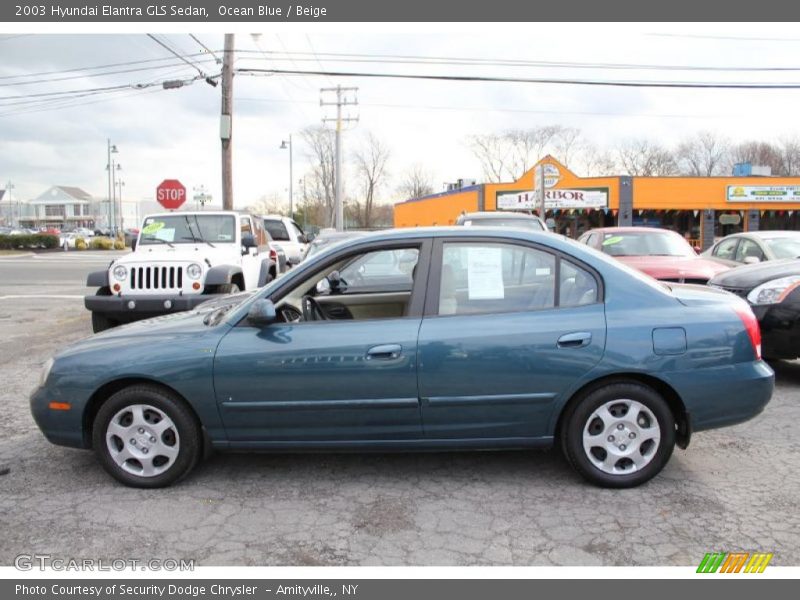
(733, 562)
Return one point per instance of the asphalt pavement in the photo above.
(734, 489)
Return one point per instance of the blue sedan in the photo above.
(420, 339)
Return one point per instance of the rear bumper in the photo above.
(723, 396)
(134, 308)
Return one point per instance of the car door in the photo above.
(325, 381)
(508, 329)
(252, 257)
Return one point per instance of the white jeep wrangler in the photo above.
(180, 260)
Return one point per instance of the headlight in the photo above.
(194, 271)
(120, 273)
(45, 372)
(773, 292)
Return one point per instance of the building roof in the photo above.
(75, 192)
(59, 194)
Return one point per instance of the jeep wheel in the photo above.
(228, 288)
(101, 322)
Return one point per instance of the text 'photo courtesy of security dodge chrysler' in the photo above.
(420, 339)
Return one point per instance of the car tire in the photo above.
(228, 288)
(609, 445)
(101, 322)
(146, 437)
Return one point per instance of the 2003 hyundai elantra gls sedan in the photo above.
(462, 339)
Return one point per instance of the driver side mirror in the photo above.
(262, 313)
(303, 239)
(133, 244)
(751, 260)
(248, 242)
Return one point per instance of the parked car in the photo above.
(773, 290)
(326, 238)
(501, 219)
(501, 338)
(179, 260)
(288, 235)
(660, 253)
(753, 247)
(69, 239)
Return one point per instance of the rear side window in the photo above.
(277, 230)
(576, 285)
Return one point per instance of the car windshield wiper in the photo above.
(158, 240)
(200, 231)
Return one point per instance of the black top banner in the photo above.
(199, 11)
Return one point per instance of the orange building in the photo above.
(701, 208)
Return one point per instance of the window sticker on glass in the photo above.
(153, 227)
(485, 273)
(614, 239)
(540, 271)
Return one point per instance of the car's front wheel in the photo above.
(145, 437)
(619, 435)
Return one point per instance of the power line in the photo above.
(88, 75)
(97, 67)
(489, 79)
(475, 61)
(165, 46)
(206, 48)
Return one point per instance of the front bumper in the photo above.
(133, 308)
(780, 329)
(64, 428)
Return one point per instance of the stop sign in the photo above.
(170, 194)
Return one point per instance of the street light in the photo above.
(284, 146)
(112, 149)
(121, 183)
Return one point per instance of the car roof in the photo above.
(623, 229)
(498, 213)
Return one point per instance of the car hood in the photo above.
(157, 332)
(220, 254)
(675, 267)
(749, 276)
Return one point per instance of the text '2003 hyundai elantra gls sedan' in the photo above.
(421, 339)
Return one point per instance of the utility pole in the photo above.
(226, 123)
(541, 189)
(342, 99)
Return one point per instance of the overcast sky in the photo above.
(174, 133)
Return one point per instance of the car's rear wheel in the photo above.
(145, 437)
(619, 435)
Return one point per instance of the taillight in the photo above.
(751, 325)
(273, 255)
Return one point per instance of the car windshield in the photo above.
(507, 222)
(188, 228)
(645, 243)
(788, 247)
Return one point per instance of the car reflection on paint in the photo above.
(456, 338)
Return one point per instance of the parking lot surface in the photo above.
(733, 489)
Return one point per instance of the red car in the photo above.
(660, 253)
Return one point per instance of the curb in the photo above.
(26, 255)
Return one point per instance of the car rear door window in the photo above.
(481, 278)
(748, 249)
(277, 230)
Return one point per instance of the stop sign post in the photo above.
(171, 194)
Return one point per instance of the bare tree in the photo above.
(567, 143)
(320, 182)
(416, 182)
(370, 163)
(270, 204)
(592, 161)
(493, 152)
(789, 149)
(703, 155)
(756, 153)
(645, 158)
(528, 146)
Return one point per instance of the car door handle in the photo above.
(384, 352)
(577, 339)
